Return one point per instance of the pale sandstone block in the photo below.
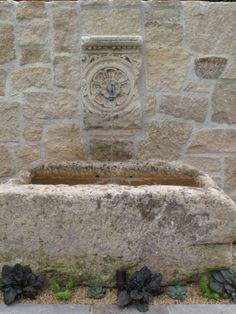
(63, 141)
(164, 140)
(25, 155)
(160, 15)
(34, 55)
(35, 33)
(230, 173)
(33, 131)
(30, 10)
(6, 15)
(208, 164)
(166, 68)
(7, 48)
(149, 104)
(198, 86)
(5, 162)
(230, 72)
(9, 121)
(3, 76)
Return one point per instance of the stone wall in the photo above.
(187, 84)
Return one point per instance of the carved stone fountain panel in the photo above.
(110, 71)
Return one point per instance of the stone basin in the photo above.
(84, 220)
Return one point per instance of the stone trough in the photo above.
(84, 220)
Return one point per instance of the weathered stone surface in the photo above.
(33, 131)
(7, 48)
(35, 33)
(63, 141)
(186, 107)
(230, 72)
(65, 22)
(208, 164)
(6, 15)
(50, 105)
(67, 72)
(127, 226)
(109, 149)
(198, 86)
(111, 22)
(5, 162)
(149, 104)
(163, 34)
(224, 103)
(9, 121)
(209, 67)
(214, 141)
(25, 155)
(30, 10)
(171, 15)
(206, 34)
(34, 55)
(93, 2)
(230, 173)
(166, 68)
(22, 79)
(3, 76)
(164, 140)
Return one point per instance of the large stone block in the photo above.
(33, 131)
(164, 140)
(30, 10)
(6, 15)
(34, 55)
(85, 227)
(66, 34)
(5, 162)
(25, 155)
(3, 76)
(186, 107)
(166, 68)
(204, 33)
(111, 22)
(215, 140)
(63, 141)
(9, 121)
(230, 72)
(50, 105)
(210, 67)
(208, 164)
(224, 103)
(67, 72)
(7, 48)
(230, 173)
(22, 79)
(35, 33)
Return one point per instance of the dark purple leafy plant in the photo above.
(139, 289)
(19, 282)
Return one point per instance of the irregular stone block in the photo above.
(50, 105)
(25, 155)
(109, 149)
(63, 141)
(198, 86)
(230, 173)
(208, 164)
(214, 141)
(164, 140)
(133, 213)
(204, 33)
(166, 14)
(209, 67)
(35, 33)
(65, 23)
(111, 22)
(3, 76)
(33, 131)
(22, 79)
(34, 55)
(149, 104)
(230, 72)
(67, 72)
(223, 103)
(7, 48)
(6, 15)
(186, 107)
(5, 162)
(166, 68)
(9, 121)
(30, 10)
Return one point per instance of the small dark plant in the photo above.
(96, 292)
(223, 283)
(62, 293)
(205, 290)
(19, 282)
(139, 289)
(233, 271)
(176, 292)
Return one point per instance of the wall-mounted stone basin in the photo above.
(86, 219)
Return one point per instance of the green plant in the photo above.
(62, 293)
(19, 282)
(223, 283)
(139, 289)
(205, 290)
(96, 292)
(176, 292)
